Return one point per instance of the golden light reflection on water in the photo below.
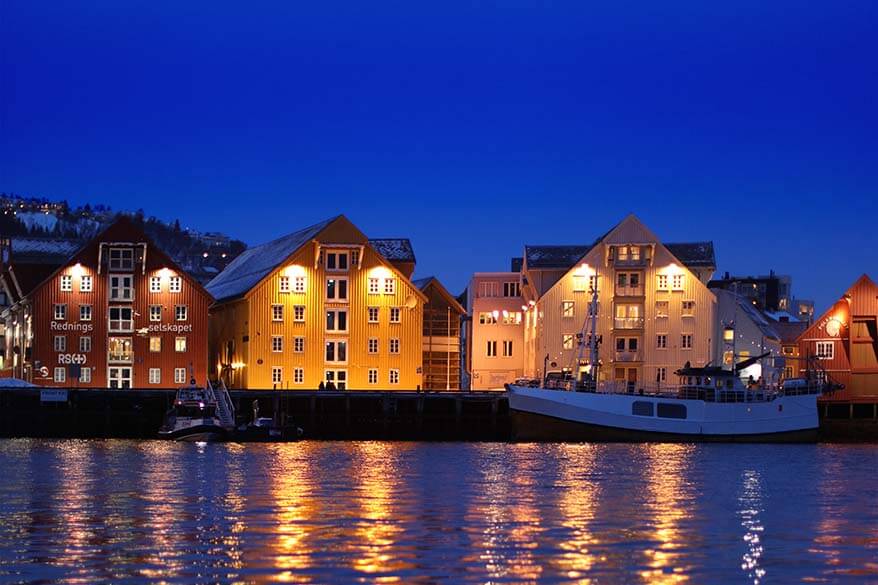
(665, 481)
(750, 509)
(73, 501)
(578, 505)
(294, 509)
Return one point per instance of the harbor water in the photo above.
(408, 512)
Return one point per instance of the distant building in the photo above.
(743, 331)
(323, 304)
(496, 329)
(772, 293)
(442, 324)
(844, 342)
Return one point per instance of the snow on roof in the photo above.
(49, 249)
(758, 317)
(778, 315)
(394, 249)
(554, 256)
(694, 254)
(254, 264)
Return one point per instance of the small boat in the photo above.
(263, 429)
(199, 414)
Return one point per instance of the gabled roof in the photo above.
(254, 264)
(554, 256)
(789, 331)
(694, 254)
(423, 283)
(394, 249)
(43, 250)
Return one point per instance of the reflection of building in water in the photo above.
(750, 507)
(668, 502)
(294, 509)
(577, 504)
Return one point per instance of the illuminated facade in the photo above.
(654, 311)
(844, 343)
(496, 337)
(318, 305)
(118, 313)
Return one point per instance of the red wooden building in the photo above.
(844, 342)
(119, 313)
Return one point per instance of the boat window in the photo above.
(668, 410)
(641, 408)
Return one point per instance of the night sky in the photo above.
(472, 128)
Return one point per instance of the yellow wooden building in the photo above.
(319, 305)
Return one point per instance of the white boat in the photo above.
(199, 414)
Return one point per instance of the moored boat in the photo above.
(199, 414)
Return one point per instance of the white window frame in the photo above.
(179, 375)
(298, 375)
(157, 347)
(661, 341)
(662, 282)
(277, 343)
(155, 313)
(181, 312)
(122, 325)
(85, 375)
(85, 312)
(336, 256)
(339, 384)
(395, 315)
(336, 296)
(336, 344)
(181, 344)
(60, 312)
(491, 348)
(568, 341)
(283, 284)
(568, 309)
(373, 345)
(298, 313)
(393, 376)
(155, 376)
(376, 311)
(821, 350)
(60, 374)
(390, 285)
(85, 344)
(487, 318)
(662, 374)
(59, 343)
(374, 286)
(121, 259)
(277, 313)
(394, 346)
(678, 281)
(373, 376)
(123, 289)
(277, 375)
(155, 284)
(686, 341)
(511, 289)
(86, 283)
(298, 344)
(66, 283)
(335, 320)
(299, 284)
(507, 348)
(175, 284)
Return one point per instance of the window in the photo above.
(60, 374)
(337, 289)
(60, 312)
(640, 408)
(373, 345)
(337, 320)
(567, 309)
(121, 287)
(677, 281)
(668, 410)
(355, 258)
(491, 349)
(60, 343)
(155, 284)
(662, 308)
(86, 284)
(175, 284)
(487, 318)
(373, 314)
(66, 283)
(277, 343)
(85, 344)
(298, 284)
(179, 375)
(688, 308)
(181, 313)
(337, 351)
(298, 345)
(661, 374)
(299, 313)
(121, 259)
(284, 284)
(298, 375)
(119, 349)
(85, 376)
(121, 319)
(338, 378)
(511, 289)
(662, 283)
(155, 344)
(394, 345)
(661, 341)
(686, 341)
(85, 312)
(394, 315)
(825, 350)
(155, 312)
(488, 289)
(512, 317)
(277, 375)
(337, 261)
(155, 376)
(394, 376)
(507, 348)
(389, 286)
(728, 335)
(180, 344)
(374, 286)
(277, 312)
(373, 376)
(567, 341)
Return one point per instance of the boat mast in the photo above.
(593, 339)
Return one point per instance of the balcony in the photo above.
(629, 291)
(120, 350)
(628, 356)
(628, 323)
(630, 262)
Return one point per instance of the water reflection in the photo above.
(294, 510)
(578, 506)
(749, 512)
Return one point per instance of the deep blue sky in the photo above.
(472, 128)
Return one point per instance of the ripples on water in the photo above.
(323, 512)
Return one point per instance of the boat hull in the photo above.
(555, 415)
(196, 433)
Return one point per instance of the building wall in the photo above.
(229, 342)
(750, 339)
(486, 297)
(441, 341)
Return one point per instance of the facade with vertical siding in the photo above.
(119, 313)
(318, 305)
(442, 321)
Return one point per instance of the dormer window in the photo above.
(336, 261)
(121, 259)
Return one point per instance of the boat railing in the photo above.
(679, 391)
(225, 408)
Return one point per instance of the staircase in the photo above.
(225, 410)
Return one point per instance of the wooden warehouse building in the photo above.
(118, 313)
(442, 319)
(321, 305)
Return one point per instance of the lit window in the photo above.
(661, 341)
(337, 351)
(180, 344)
(121, 287)
(60, 343)
(84, 344)
(298, 375)
(277, 343)
(389, 286)
(277, 375)
(394, 376)
(507, 348)
(567, 340)
(394, 345)
(277, 312)
(825, 350)
(181, 312)
(661, 308)
(284, 285)
(337, 320)
(299, 344)
(337, 289)
(60, 312)
(85, 312)
(121, 259)
(60, 374)
(686, 341)
(491, 349)
(299, 313)
(677, 281)
(66, 283)
(373, 345)
(567, 309)
(155, 344)
(155, 312)
(373, 314)
(373, 376)
(374, 286)
(487, 318)
(728, 335)
(175, 284)
(299, 284)
(85, 376)
(155, 284)
(394, 314)
(179, 375)
(662, 282)
(512, 317)
(155, 376)
(86, 284)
